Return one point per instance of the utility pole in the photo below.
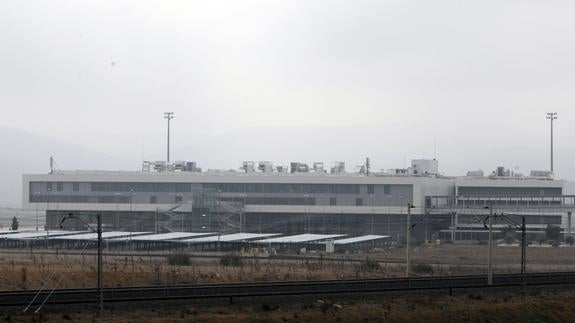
(552, 116)
(100, 284)
(100, 280)
(169, 116)
(408, 238)
(490, 247)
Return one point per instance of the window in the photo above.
(76, 187)
(358, 202)
(178, 199)
(153, 199)
(49, 187)
(332, 201)
(370, 189)
(387, 189)
(59, 186)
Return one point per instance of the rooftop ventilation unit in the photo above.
(265, 167)
(297, 167)
(248, 166)
(338, 168)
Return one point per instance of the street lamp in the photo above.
(99, 232)
(552, 116)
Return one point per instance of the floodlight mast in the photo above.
(169, 116)
(99, 232)
(551, 116)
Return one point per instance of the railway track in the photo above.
(250, 290)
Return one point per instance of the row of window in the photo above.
(285, 188)
(140, 187)
(60, 186)
(178, 199)
(79, 199)
(221, 187)
(272, 200)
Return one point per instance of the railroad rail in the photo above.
(293, 288)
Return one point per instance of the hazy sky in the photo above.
(472, 78)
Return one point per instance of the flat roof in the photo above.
(300, 238)
(164, 236)
(230, 237)
(94, 236)
(6, 231)
(38, 234)
(370, 237)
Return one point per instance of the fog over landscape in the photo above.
(468, 83)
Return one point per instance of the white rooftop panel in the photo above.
(94, 236)
(38, 234)
(300, 238)
(360, 239)
(6, 231)
(231, 237)
(165, 236)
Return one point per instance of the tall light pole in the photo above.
(169, 116)
(551, 116)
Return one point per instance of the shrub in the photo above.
(552, 232)
(179, 259)
(422, 269)
(509, 239)
(231, 260)
(368, 265)
(540, 239)
(569, 240)
(555, 243)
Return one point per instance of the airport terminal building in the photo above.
(300, 199)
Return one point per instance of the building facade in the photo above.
(306, 200)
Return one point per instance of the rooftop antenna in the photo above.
(53, 165)
(169, 116)
(552, 116)
(367, 166)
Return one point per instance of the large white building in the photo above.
(261, 198)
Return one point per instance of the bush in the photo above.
(179, 259)
(231, 260)
(540, 239)
(552, 232)
(368, 265)
(555, 243)
(422, 269)
(509, 239)
(569, 240)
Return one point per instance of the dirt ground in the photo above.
(32, 271)
(535, 306)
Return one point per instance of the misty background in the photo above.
(468, 83)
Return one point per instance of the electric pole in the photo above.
(552, 116)
(408, 240)
(169, 116)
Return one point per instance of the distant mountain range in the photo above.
(24, 152)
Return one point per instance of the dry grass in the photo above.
(556, 307)
(30, 271)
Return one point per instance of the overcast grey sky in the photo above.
(474, 77)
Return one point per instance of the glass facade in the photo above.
(284, 188)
